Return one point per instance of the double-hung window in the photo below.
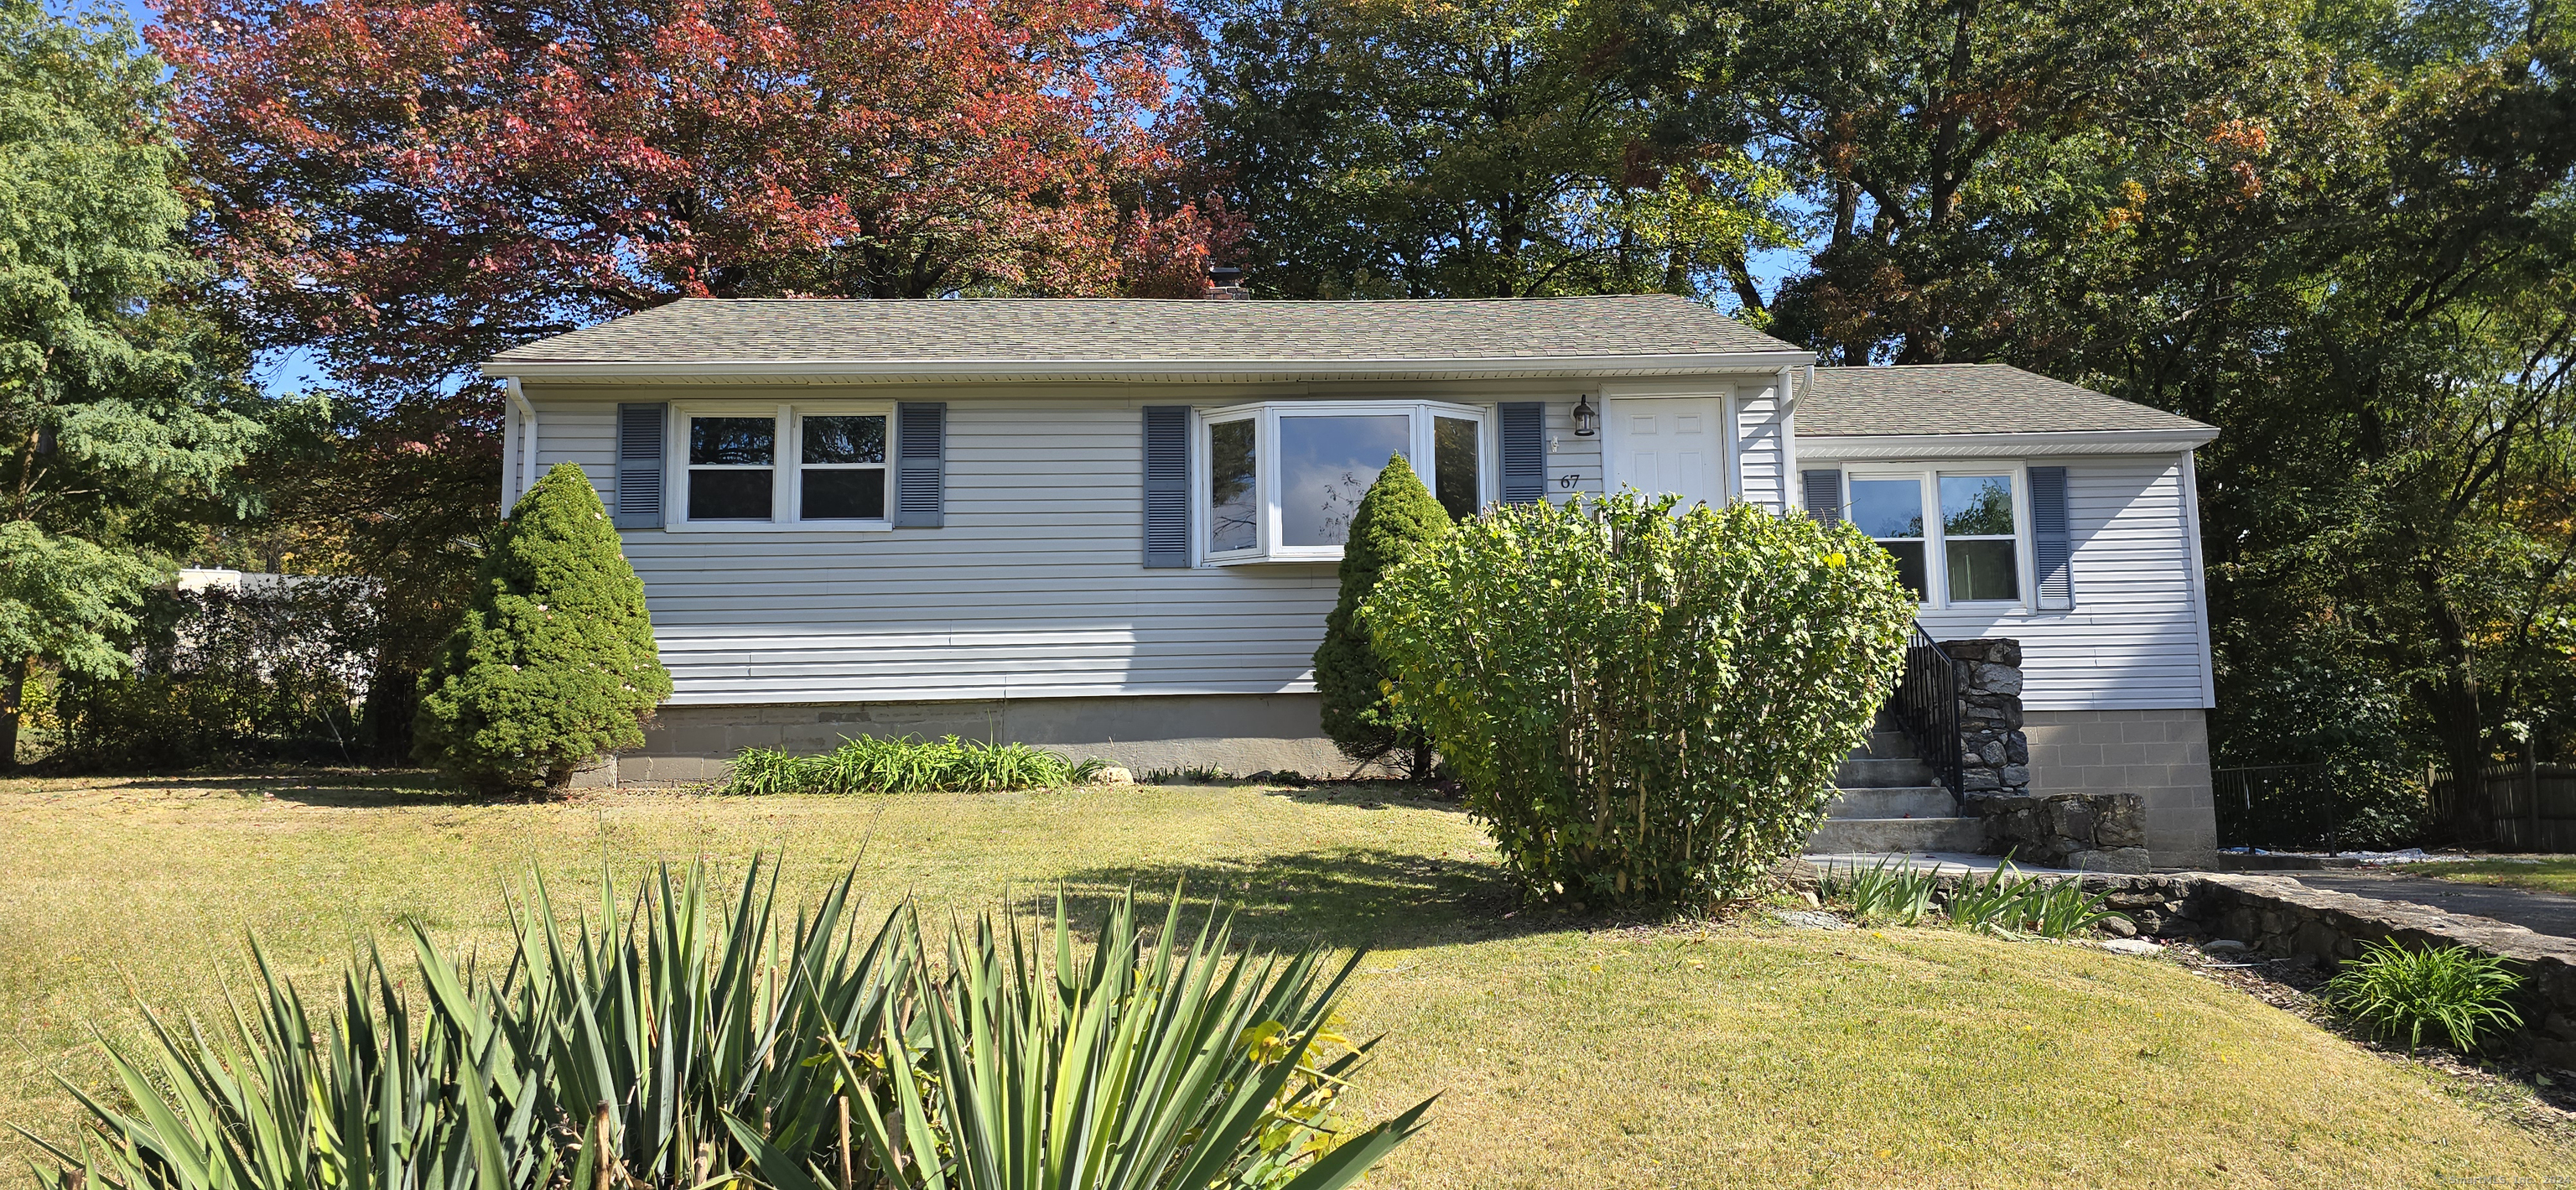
(1956, 534)
(1283, 479)
(818, 467)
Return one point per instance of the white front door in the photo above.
(1667, 444)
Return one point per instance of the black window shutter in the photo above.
(1824, 495)
(1167, 486)
(1524, 451)
(920, 465)
(639, 466)
(2052, 551)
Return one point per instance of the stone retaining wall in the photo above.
(1994, 755)
(2280, 916)
(2088, 832)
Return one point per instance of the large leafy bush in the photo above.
(272, 672)
(555, 663)
(1395, 520)
(682, 1045)
(1643, 704)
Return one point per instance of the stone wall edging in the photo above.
(2279, 916)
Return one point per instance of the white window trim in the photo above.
(787, 468)
(1265, 416)
(1936, 561)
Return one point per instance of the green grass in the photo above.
(2548, 875)
(1751, 1055)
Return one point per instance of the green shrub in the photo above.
(2004, 901)
(2396, 992)
(907, 765)
(1887, 892)
(554, 663)
(687, 1044)
(1396, 519)
(1643, 705)
(270, 673)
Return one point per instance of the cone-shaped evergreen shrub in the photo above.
(1395, 519)
(554, 663)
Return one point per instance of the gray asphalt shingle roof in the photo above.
(1078, 330)
(1965, 399)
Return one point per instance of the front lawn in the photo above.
(1738, 1055)
(2545, 875)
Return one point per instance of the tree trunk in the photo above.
(13, 700)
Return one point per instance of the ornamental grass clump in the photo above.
(2395, 992)
(673, 1042)
(1643, 704)
(908, 765)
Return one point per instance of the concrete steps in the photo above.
(1890, 803)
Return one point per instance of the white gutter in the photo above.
(528, 437)
(1847, 447)
(1160, 369)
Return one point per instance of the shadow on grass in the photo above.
(338, 789)
(1370, 795)
(1343, 897)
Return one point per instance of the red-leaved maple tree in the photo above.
(406, 187)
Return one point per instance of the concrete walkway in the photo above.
(2539, 912)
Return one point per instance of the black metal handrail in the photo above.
(1926, 703)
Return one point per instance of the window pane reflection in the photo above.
(1976, 505)
(732, 441)
(1233, 506)
(1325, 465)
(1457, 482)
(1887, 507)
(845, 439)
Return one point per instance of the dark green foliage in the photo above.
(1644, 706)
(272, 673)
(2397, 992)
(554, 664)
(1395, 520)
(907, 765)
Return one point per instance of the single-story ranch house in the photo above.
(1111, 526)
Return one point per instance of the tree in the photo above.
(1395, 520)
(123, 420)
(1489, 149)
(409, 188)
(554, 664)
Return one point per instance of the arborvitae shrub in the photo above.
(554, 664)
(1643, 706)
(1395, 520)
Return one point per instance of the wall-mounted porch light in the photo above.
(1584, 416)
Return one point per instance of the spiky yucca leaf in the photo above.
(1125, 1070)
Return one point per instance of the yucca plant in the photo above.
(1172, 1067)
(1888, 891)
(671, 1047)
(907, 765)
(2396, 992)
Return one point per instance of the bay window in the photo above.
(1284, 479)
(819, 467)
(1970, 552)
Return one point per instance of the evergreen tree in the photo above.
(125, 423)
(554, 663)
(1396, 518)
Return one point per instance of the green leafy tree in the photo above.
(1498, 148)
(1395, 520)
(124, 423)
(554, 664)
(1643, 706)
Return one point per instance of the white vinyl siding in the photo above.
(1761, 458)
(1032, 589)
(2133, 641)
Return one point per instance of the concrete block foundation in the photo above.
(1240, 733)
(2160, 755)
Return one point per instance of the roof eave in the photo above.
(867, 371)
(1988, 445)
